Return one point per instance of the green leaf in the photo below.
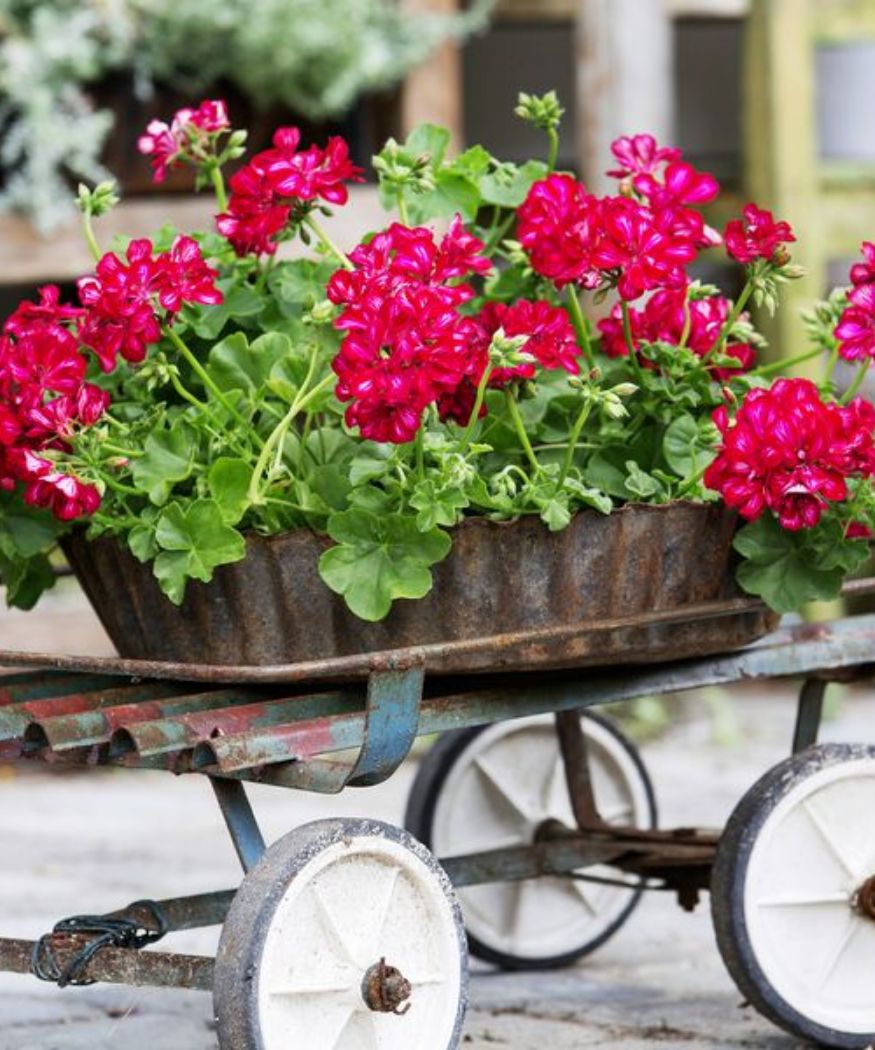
(378, 559)
(431, 139)
(228, 482)
(452, 194)
(689, 444)
(438, 504)
(781, 569)
(237, 364)
(241, 300)
(606, 471)
(26, 531)
(302, 281)
(26, 580)
(555, 514)
(371, 463)
(195, 539)
(474, 162)
(168, 458)
(511, 192)
(142, 542)
(639, 482)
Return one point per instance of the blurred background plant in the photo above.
(314, 58)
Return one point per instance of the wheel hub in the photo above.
(385, 988)
(864, 899)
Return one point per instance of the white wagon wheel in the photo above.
(492, 787)
(345, 936)
(793, 895)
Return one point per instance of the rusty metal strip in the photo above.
(15, 688)
(122, 966)
(134, 741)
(62, 731)
(567, 854)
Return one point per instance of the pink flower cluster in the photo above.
(264, 191)
(190, 129)
(643, 238)
(855, 331)
(757, 236)
(637, 241)
(123, 300)
(406, 345)
(789, 452)
(663, 319)
(44, 397)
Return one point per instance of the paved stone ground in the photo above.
(88, 842)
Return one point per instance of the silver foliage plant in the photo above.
(315, 56)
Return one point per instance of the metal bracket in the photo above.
(808, 713)
(391, 725)
(240, 820)
(575, 760)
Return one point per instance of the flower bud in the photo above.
(102, 199)
(781, 255)
(544, 112)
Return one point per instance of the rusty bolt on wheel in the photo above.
(385, 988)
(864, 899)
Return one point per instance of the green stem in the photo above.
(219, 187)
(579, 324)
(629, 340)
(833, 361)
(419, 449)
(88, 230)
(402, 208)
(520, 427)
(728, 324)
(131, 453)
(579, 423)
(553, 153)
(278, 434)
(688, 321)
(465, 440)
(858, 379)
(789, 362)
(120, 487)
(497, 236)
(693, 481)
(210, 385)
(327, 242)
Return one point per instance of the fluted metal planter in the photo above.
(272, 607)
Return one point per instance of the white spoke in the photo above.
(508, 789)
(581, 891)
(340, 988)
(824, 833)
(852, 925)
(331, 926)
(384, 907)
(804, 900)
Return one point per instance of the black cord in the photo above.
(104, 931)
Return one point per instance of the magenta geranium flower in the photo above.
(757, 236)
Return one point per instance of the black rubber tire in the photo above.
(419, 821)
(238, 960)
(727, 892)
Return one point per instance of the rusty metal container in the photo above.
(272, 607)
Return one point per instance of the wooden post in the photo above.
(433, 91)
(624, 78)
(781, 163)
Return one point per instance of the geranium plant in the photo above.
(207, 386)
